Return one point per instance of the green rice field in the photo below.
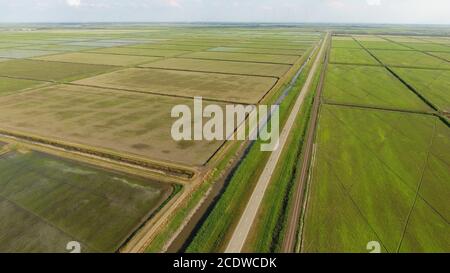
(10, 86)
(351, 56)
(371, 172)
(432, 84)
(380, 168)
(369, 86)
(77, 100)
(47, 201)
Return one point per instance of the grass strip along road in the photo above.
(292, 230)
(248, 217)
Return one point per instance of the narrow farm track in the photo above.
(290, 238)
(242, 230)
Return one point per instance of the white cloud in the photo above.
(173, 3)
(73, 3)
(373, 2)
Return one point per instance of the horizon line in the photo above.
(224, 22)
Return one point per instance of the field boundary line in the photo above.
(410, 87)
(225, 60)
(355, 64)
(155, 167)
(394, 65)
(414, 49)
(362, 106)
(152, 93)
(253, 47)
(419, 186)
(207, 72)
(425, 39)
(121, 54)
(254, 53)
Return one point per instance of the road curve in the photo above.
(242, 230)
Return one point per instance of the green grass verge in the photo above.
(160, 240)
(269, 229)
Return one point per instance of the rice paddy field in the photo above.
(47, 201)
(380, 169)
(126, 122)
(111, 89)
(114, 89)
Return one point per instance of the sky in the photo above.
(310, 11)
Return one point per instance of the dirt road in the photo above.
(242, 230)
(293, 222)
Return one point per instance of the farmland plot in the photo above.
(291, 52)
(48, 201)
(428, 47)
(443, 55)
(413, 59)
(345, 42)
(369, 86)
(10, 45)
(432, 84)
(57, 47)
(244, 57)
(431, 214)
(383, 45)
(351, 56)
(302, 45)
(136, 124)
(244, 89)
(49, 71)
(20, 54)
(140, 51)
(10, 86)
(368, 167)
(100, 59)
(169, 46)
(256, 69)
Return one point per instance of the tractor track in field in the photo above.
(290, 238)
(372, 107)
(228, 60)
